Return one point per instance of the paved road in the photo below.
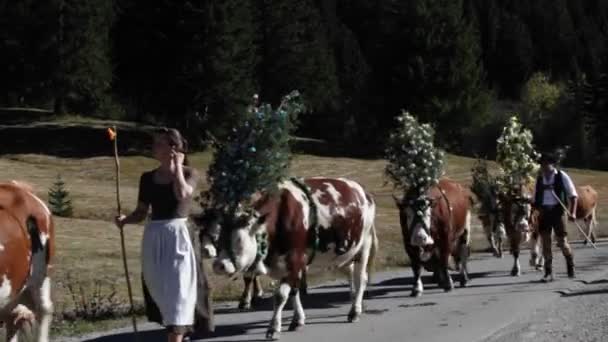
(494, 307)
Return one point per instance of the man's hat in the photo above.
(552, 157)
(548, 157)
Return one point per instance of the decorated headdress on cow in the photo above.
(516, 157)
(414, 163)
(254, 157)
(484, 185)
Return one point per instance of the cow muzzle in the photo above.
(421, 238)
(523, 227)
(223, 266)
(208, 250)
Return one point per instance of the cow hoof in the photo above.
(463, 282)
(515, 272)
(244, 306)
(295, 326)
(448, 289)
(272, 334)
(353, 316)
(256, 302)
(415, 293)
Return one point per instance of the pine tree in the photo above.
(27, 49)
(230, 58)
(297, 54)
(255, 156)
(59, 199)
(83, 72)
(440, 76)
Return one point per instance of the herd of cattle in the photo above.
(309, 226)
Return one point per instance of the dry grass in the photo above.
(89, 246)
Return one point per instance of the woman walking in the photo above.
(168, 261)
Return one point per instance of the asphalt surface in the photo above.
(495, 307)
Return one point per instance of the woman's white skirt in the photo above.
(169, 270)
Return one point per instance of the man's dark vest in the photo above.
(558, 187)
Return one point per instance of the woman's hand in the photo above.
(120, 221)
(177, 158)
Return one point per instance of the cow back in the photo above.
(329, 209)
(446, 224)
(586, 202)
(26, 232)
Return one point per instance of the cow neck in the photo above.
(313, 226)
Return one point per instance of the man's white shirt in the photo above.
(548, 198)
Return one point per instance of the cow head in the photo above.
(491, 218)
(209, 227)
(415, 215)
(519, 213)
(239, 246)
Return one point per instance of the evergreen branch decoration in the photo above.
(484, 185)
(59, 199)
(516, 156)
(414, 163)
(256, 154)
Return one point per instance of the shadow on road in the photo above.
(323, 297)
(583, 293)
(161, 335)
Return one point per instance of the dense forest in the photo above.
(463, 65)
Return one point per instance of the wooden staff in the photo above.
(574, 219)
(114, 137)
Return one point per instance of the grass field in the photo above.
(88, 249)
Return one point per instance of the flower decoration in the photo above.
(516, 156)
(414, 163)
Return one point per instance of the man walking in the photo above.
(553, 189)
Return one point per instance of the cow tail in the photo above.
(50, 246)
(372, 254)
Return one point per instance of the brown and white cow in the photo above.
(491, 222)
(26, 250)
(344, 213)
(209, 226)
(518, 219)
(435, 227)
(586, 209)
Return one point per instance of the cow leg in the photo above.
(258, 291)
(303, 283)
(490, 236)
(515, 240)
(349, 272)
(12, 332)
(589, 225)
(448, 283)
(499, 247)
(280, 299)
(44, 314)
(360, 277)
(418, 287)
(245, 302)
(516, 270)
(463, 252)
(299, 317)
(534, 250)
